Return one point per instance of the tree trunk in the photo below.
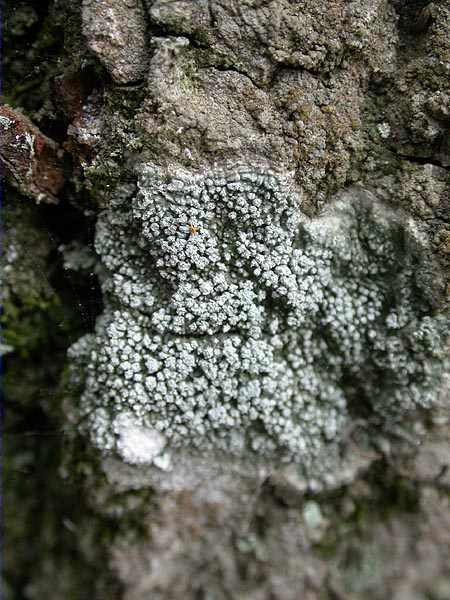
(225, 299)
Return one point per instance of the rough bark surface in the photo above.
(345, 100)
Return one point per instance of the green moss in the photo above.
(28, 298)
(125, 101)
(101, 179)
(24, 327)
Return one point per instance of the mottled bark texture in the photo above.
(113, 107)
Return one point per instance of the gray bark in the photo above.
(138, 140)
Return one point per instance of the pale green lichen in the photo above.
(233, 322)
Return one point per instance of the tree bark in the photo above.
(342, 109)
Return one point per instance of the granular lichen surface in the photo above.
(233, 322)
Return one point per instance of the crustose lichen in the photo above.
(234, 322)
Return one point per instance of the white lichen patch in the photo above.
(5, 122)
(232, 322)
(384, 129)
(137, 444)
